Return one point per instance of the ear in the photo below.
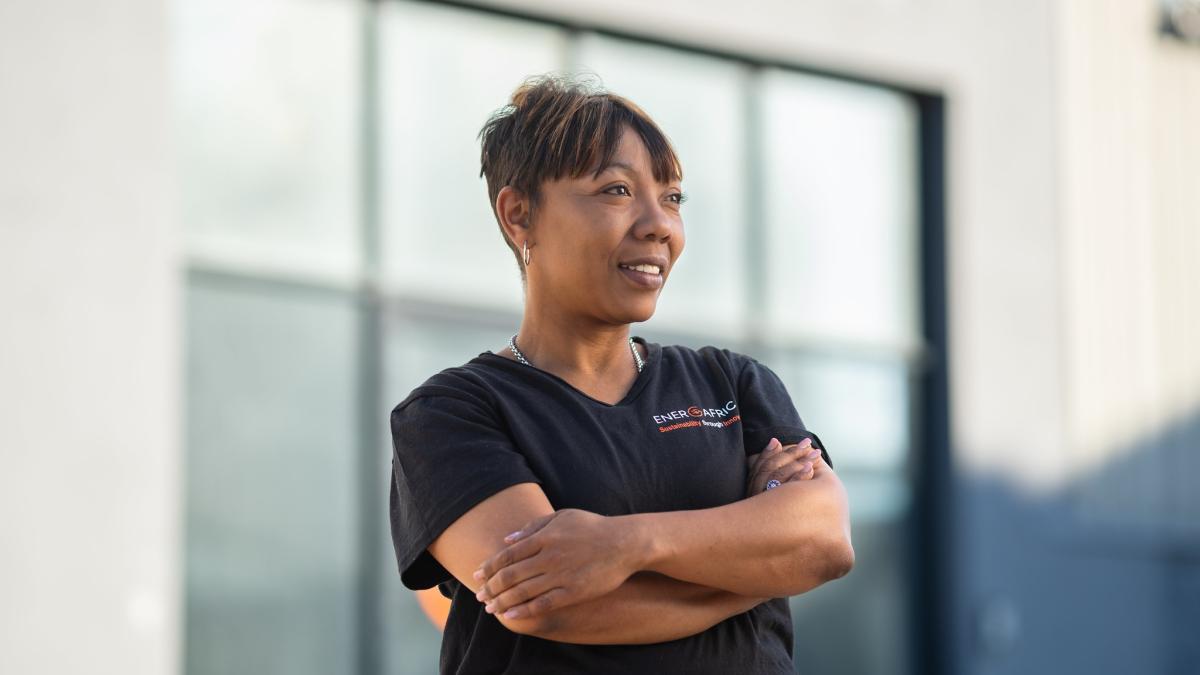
(513, 208)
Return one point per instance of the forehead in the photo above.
(630, 156)
(631, 148)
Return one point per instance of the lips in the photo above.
(646, 268)
(659, 261)
(645, 272)
(643, 280)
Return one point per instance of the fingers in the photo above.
(530, 528)
(788, 463)
(789, 454)
(542, 604)
(780, 459)
(515, 585)
(794, 471)
(773, 448)
(506, 556)
(519, 594)
(508, 577)
(809, 463)
(819, 465)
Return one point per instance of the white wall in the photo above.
(89, 342)
(1130, 175)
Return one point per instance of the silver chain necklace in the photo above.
(512, 344)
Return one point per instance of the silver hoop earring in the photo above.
(525, 252)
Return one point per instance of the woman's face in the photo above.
(588, 232)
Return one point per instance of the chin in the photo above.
(641, 312)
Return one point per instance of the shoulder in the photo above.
(468, 383)
(732, 362)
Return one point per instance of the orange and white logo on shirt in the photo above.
(695, 416)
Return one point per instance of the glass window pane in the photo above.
(272, 480)
(840, 209)
(419, 346)
(267, 122)
(416, 348)
(706, 290)
(859, 623)
(443, 71)
(861, 408)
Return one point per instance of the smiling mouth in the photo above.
(647, 269)
(651, 280)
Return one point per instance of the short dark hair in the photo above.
(559, 125)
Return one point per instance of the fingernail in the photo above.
(479, 595)
(511, 614)
(490, 607)
(511, 536)
(774, 443)
(807, 441)
(478, 575)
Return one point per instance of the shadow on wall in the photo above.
(1104, 577)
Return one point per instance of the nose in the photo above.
(655, 221)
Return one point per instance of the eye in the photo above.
(618, 187)
(678, 197)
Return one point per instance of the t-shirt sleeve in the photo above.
(767, 410)
(449, 454)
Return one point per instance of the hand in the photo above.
(784, 463)
(557, 560)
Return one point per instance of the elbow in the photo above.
(822, 564)
(545, 626)
(841, 559)
(534, 625)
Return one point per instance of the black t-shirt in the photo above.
(678, 440)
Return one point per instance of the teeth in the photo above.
(649, 269)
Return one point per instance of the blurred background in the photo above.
(234, 234)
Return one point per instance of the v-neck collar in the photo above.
(653, 354)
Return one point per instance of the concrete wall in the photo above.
(89, 342)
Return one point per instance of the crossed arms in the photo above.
(575, 576)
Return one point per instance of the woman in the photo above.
(592, 502)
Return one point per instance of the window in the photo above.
(341, 250)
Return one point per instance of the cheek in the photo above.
(584, 255)
(678, 240)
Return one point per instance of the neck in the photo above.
(573, 348)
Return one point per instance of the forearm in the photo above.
(782, 542)
(649, 607)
